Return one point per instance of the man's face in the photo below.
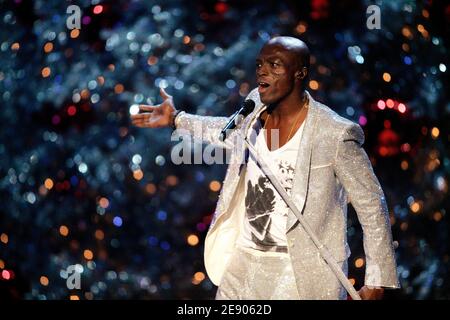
(275, 73)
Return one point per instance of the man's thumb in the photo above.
(164, 94)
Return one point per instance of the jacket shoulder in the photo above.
(329, 118)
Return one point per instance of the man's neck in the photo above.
(288, 108)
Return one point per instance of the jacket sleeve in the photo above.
(206, 129)
(354, 171)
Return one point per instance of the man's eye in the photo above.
(274, 64)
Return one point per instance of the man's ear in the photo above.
(301, 74)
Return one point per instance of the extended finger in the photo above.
(164, 94)
(144, 107)
(139, 124)
(140, 116)
(151, 123)
(139, 119)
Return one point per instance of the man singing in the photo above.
(255, 247)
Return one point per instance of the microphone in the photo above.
(246, 108)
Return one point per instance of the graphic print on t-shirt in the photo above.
(263, 204)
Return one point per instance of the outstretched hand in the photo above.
(158, 116)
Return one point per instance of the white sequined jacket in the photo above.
(332, 169)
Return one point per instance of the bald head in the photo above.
(294, 45)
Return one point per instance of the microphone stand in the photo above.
(324, 252)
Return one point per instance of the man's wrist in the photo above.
(174, 119)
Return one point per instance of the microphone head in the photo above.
(247, 107)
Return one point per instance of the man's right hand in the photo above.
(158, 116)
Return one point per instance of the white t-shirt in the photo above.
(264, 225)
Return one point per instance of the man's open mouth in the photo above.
(263, 86)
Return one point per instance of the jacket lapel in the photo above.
(302, 168)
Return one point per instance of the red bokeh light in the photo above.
(6, 275)
(98, 9)
(221, 7)
(390, 103)
(71, 110)
(405, 147)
